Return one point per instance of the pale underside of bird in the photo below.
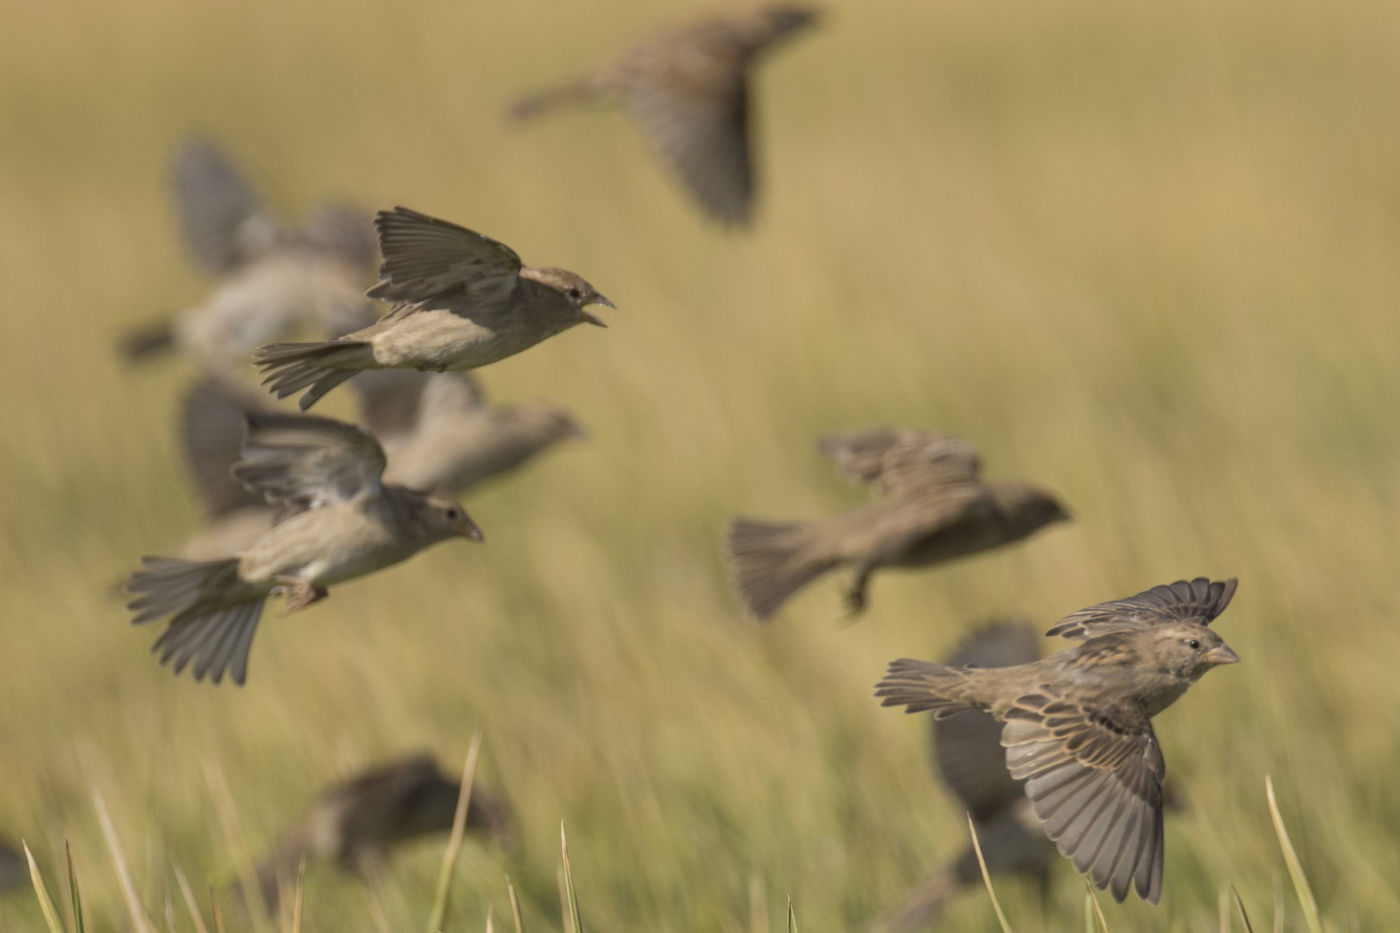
(936, 508)
(337, 520)
(439, 431)
(271, 282)
(687, 90)
(356, 823)
(461, 301)
(1077, 725)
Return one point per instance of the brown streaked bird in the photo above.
(462, 300)
(1078, 724)
(272, 282)
(339, 521)
(687, 90)
(357, 822)
(937, 508)
(439, 431)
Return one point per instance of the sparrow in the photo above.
(356, 822)
(968, 759)
(1078, 724)
(271, 281)
(687, 90)
(937, 509)
(439, 431)
(338, 520)
(462, 300)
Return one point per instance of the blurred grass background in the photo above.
(1143, 255)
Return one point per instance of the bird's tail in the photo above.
(141, 343)
(316, 367)
(532, 105)
(213, 614)
(922, 685)
(773, 560)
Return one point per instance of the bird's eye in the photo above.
(454, 514)
(1193, 644)
(575, 294)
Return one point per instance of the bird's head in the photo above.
(575, 290)
(1187, 649)
(443, 517)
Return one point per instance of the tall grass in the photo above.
(1140, 254)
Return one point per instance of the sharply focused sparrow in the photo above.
(272, 282)
(340, 521)
(1078, 726)
(358, 821)
(462, 300)
(937, 509)
(687, 89)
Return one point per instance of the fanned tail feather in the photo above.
(921, 686)
(316, 367)
(773, 560)
(213, 614)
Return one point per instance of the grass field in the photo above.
(1144, 255)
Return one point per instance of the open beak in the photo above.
(1221, 654)
(593, 318)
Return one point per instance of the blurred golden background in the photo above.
(1143, 256)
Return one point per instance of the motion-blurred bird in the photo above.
(937, 509)
(687, 89)
(462, 300)
(1078, 725)
(968, 757)
(340, 521)
(439, 431)
(358, 821)
(272, 282)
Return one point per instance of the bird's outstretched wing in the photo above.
(1199, 600)
(895, 461)
(302, 462)
(426, 258)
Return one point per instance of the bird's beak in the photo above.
(592, 318)
(471, 531)
(1221, 654)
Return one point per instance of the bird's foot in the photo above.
(298, 593)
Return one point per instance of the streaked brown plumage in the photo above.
(272, 282)
(357, 822)
(687, 90)
(462, 300)
(439, 431)
(339, 521)
(1078, 725)
(937, 509)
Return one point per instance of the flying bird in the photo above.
(339, 520)
(461, 300)
(272, 281)
(936, 508)
(687, 90)
(1077, 725)
(357, 822)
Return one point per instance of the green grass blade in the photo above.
(987, 877)
(296, 895)
(191, 905)
(1244, 914)
(1290, 858)
(454, 842)
(73, 894)
(139, 921)
(792, 917)
(570, 893)
(46, 904)
(218, 911)
(1093, 910)
(514, 906)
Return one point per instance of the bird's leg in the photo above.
(299, 593)
(855, 594)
